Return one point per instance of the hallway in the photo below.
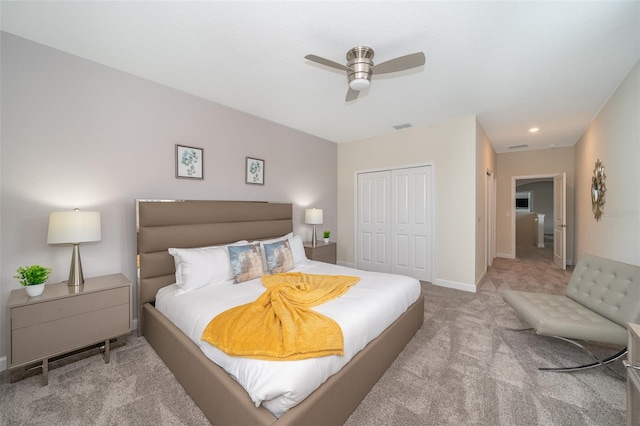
(532, 270)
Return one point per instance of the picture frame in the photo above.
(189, 162)
(254, 171)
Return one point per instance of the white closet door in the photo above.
(411, 228)
(374, 221)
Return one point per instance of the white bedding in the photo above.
(366, 310)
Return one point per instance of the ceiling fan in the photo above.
(360, 67)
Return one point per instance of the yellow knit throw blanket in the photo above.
(280, 325)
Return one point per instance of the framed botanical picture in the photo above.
(189, 162)
(254, 171)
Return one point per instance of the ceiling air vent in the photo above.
(402, 126)
(518, 146)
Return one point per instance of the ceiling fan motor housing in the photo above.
(360, 61)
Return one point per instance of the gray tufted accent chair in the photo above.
(601, 298)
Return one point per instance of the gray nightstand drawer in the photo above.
(66, 334)
(25, 316)
(322, 252)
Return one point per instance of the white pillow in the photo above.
(198, 267)
(297, 250)
(265, 266)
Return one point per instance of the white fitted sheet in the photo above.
(364, 312)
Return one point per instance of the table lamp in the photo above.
(313, 217)
(74, 227)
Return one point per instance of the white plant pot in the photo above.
(34, 290)
(326, 241)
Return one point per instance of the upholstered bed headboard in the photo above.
(183, 224)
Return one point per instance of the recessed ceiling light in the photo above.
(533, 130)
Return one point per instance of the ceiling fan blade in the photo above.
(327, 62)
(400, 64)
(352, 95)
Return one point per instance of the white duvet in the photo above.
(364, 312)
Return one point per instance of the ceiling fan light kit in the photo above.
(359, 84)
(359, 61)
(360, 67)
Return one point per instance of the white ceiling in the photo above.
(514, 64)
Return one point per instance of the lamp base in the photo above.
(314, 240)
(75, 272)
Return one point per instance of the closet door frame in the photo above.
(431, 209)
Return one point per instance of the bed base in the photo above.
(182, 223)
(224, 402)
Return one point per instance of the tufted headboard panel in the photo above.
(184, 224)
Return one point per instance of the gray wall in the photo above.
(450, 147)
(614, 138)
(79, 134)
(531, 165)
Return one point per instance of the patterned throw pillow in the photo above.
(279, 257)
(246, 262)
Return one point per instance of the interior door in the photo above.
(374, 221)
(560, 220)
(488, 200)
(411, 222)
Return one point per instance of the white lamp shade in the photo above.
(74, 227)
(313, 216)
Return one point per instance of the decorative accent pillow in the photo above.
(246, 262)
(269, 241)
(279, 257)
(297, 250)
(198, 267)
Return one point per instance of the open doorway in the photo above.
(538, 212)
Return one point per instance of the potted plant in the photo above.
(33, 278)
(326, 234)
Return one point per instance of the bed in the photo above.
(188, 224)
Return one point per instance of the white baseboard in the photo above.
(456, 285)
(347, 264)
(484, 274)
(505, 255)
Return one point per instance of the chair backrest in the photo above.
(609, 288)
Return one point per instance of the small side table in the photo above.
(322, 252)
(62, 320)
(633, 375)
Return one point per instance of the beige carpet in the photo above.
(461, 368)
(464, 368)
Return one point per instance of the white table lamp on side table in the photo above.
(313, 217)
(74, 227)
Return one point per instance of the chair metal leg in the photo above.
(598, 363)
(518, 329)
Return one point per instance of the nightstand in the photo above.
(322, 252)
(61, 320)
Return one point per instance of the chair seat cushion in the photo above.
(553, 315)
